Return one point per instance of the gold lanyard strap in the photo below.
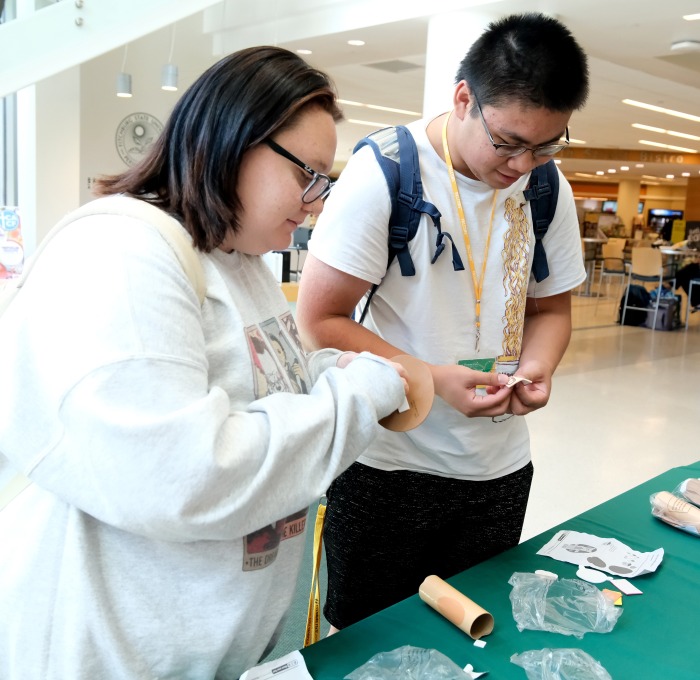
(478, 282)
(313, 615)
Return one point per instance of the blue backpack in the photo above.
(397, 155)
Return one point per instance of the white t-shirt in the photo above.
(432, 314)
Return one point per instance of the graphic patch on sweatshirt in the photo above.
(261, 547)
(279, 362)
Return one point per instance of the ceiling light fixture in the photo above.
(660, 109)
(168, 74)
(673, 133)
(376, 107)
(123, 78)
(356, 43)
(303, 51)
(685, 46)
(370, 123)
(691, 17)
(667, 146)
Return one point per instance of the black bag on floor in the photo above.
(638, 297)
(668, 317)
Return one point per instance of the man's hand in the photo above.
(457, 385)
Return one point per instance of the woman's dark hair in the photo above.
(529, 58)
(192, 169)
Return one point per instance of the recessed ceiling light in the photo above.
(661, 109)
(304, 52)
(691, 17)
(624, 167)
(599, 172)
(347, 102)
(370, 123)
(612, 171)
(685, 46)
(557, 161)
(685, 174)
(667, 146)
(356, 43)
(576, 141)
(670, 176)
(673, 133)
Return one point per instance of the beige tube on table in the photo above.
(456, 607)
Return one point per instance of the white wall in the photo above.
(102, 110)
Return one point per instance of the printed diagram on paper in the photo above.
(606, 554)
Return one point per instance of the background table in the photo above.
(656, 633)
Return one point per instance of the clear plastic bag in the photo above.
(689, 490)
(675, 511)
(560, 664)
(566, 606)
(409, 663)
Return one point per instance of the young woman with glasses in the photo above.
(170, 454)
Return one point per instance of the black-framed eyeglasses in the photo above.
(511, 150)
(319, 186)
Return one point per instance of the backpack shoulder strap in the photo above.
(542, 193)
(169, 228)
(396, 152)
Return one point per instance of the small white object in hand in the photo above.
(515, 379)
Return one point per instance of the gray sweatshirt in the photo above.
(173, 450)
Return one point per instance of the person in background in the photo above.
(162, 533)
(452, 492)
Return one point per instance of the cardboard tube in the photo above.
(456, 607)
(421, 393)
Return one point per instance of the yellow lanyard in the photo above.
(478, 283)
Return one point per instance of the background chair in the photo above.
(647, 267)
(612, 265)
(689, 306)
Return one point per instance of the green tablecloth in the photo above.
(656, 633)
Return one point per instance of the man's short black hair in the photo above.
(531, 58)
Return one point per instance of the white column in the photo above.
(627, 203)
(449, 38)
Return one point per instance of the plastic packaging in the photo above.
(566, 606)
(689, 490)
(409, 663)
(676, 512)
(560, 664)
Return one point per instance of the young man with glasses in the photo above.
(452, 492)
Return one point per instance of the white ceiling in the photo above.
(628, 43)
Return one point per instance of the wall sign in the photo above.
(11, 247)
(134, 136)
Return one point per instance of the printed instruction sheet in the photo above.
(606, 554)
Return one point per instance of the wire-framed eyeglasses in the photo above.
(319, 186)
(511, 150)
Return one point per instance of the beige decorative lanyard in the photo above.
(478, 283)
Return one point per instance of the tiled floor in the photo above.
(625, 406)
